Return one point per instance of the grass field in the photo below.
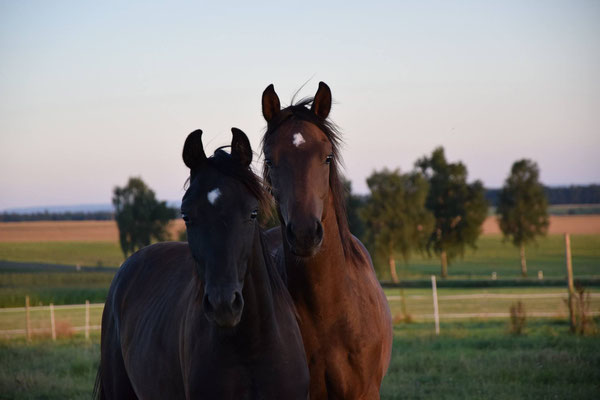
(492, 255)
(470, 360)
(495, 255)
(68, 253)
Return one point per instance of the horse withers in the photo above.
(211, 318)
(344, 316)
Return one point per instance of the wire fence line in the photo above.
(507, 296)
(10, 312)
(45, 308)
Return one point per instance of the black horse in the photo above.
(210, 318)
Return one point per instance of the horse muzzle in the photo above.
(304, 239)
(223, 307)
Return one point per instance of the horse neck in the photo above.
(259, 295)
(320, 276)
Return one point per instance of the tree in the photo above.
(395, 217)
(140, 217)
(354, 203)
(459, 208)
(523, 207)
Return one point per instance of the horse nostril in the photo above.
(208, 308)
(290, 233)
(319, 232)
(238, 302)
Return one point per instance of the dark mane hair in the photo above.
(224, 163)
(301, 111)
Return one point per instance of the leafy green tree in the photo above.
(523, 207)
(395, 216)
(354, 203)
(140, 216)
(459, 208)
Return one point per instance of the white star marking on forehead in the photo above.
(213, 195)
(298, 139)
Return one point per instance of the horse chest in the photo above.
(343, 347)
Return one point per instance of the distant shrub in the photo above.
(518, 318)
(584, 323)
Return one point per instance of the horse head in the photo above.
(220, 210)
(300, 165)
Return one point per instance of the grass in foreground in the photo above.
(45, 370)
(470, 360)
(481, 360)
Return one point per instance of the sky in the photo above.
(92, 93)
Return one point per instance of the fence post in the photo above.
(570, 284)
(28, 320)
(52, 324)
(436, 313)
(87, 319)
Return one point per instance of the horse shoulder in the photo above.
(149, 291)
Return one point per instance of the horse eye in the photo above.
(254, 214)
(328, 159)
(268, 162)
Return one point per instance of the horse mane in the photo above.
(224, 163)
(301, 111)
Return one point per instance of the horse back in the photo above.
(143, 313)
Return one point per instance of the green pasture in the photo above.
(492, 255)
(469, 360)
(495, 255)
(45, 284)
(63, 284)
(68, 253)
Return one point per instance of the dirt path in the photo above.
(106, 231)
(87, 231)
(574, 224)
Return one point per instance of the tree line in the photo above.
(434, 210)
(574, 194)
(54, 216)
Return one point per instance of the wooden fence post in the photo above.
(436, 313)
(570, 284)
(52, 323)
(28, 320)
(87, 319)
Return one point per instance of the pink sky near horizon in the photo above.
(91, 94)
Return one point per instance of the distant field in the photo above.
(46, 284)
(492, 255)
(495, 255)
(573, 224)
(71, 253)
(76, 231)
(106, 231)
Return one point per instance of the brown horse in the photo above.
(344, 316)
(210, 318)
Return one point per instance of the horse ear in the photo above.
(240, 147)
(270, 103)
(322, 102)
(193, 151)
